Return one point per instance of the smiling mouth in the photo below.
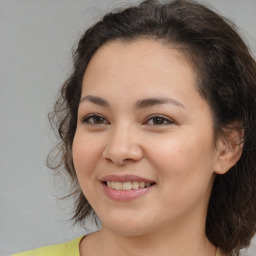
(128, 185)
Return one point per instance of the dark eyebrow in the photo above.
(95, 100)
(155, 101)
(150, 102)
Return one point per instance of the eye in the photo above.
(94, 119)
(159, 120)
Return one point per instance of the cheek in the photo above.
(185, 172)
(181, 158)
(85, 154)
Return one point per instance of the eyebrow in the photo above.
(144, 103)
(156, 101)
(96, 100)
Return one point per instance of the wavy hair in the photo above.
(226, 79)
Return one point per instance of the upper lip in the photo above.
(125, 178)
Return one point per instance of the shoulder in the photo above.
(65, 249)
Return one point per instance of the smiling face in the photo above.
(144, 150)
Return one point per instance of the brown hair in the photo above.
(226, 79)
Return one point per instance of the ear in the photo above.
(229, 149)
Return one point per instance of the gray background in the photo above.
(36, 38)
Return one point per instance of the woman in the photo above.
(157, 127)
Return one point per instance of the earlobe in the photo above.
(229, 150)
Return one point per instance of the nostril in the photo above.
(122, 151)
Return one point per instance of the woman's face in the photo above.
(144, 149)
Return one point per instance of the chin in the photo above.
(129, 230)
(128, 226)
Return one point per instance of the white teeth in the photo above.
(128, 185)
(142, 184)
(135, 184)
(112, 184)
(118, 185)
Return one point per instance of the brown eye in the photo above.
(159, 120)
(94, 120)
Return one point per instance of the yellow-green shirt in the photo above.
(66, 249)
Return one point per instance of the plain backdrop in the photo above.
(36, 38)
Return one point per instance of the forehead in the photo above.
(125, 72)
(144, 49)
(145, 59)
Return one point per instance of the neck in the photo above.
(161, 244)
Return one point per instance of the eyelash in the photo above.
(87, 119)
(165, 120)
(162, 120)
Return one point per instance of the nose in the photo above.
(123, 146)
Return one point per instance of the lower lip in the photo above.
(125, 195)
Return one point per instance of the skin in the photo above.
(177, 151)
